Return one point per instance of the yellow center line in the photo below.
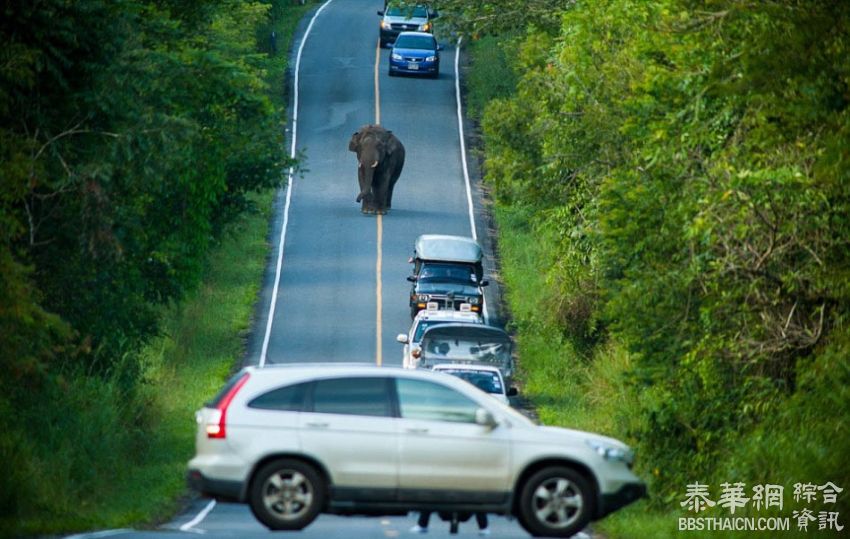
(378, 288)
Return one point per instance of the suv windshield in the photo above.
(425, 324)
(420, 12)
(416, 42)
(447, 273)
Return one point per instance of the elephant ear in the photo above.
(354, 142)
(392, 143)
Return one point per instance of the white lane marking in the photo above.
(379, 293)
(198, 519)
(97, 535)
(463, 160)
(289, 187)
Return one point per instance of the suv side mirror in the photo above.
(484, 418)
(411, 278)
(485, 282)
(513, 392)
(402, 338)
(434, 14)
(381, 13)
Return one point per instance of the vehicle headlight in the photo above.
(422, 297)
(386, 26)
(612, 452)
(474, 300)
(425, 27)
(431, 59)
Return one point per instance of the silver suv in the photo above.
(397, 18)
(295, 441)
(425, 319)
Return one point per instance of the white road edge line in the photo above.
(97, 535)
(198, 518)
(289, 187)
(463, 159)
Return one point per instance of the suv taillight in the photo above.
(218, 418)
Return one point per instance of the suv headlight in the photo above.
(386, 26)
(612, 452)
(474, 300)
(425, 27)
(423, 297)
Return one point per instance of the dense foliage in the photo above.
(692, 160)
(131, 132)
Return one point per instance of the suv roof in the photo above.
(441, 247)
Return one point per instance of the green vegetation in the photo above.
(141, 147)
(672, 194)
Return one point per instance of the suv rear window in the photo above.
(285, 399)
(353, 396)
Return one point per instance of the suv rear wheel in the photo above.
(556, 502)
(287, 494)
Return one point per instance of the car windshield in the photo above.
(399, 11)
(425, 324)
(447, 272)
(416, 42)
(488, 382)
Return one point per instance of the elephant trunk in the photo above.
(366, 185)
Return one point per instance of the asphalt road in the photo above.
(337, 291)
(328, 297)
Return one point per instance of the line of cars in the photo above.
(408, 29)
(446, 305)
(295, 441)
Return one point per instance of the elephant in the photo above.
(380, 158)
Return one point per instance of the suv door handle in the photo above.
(318, 425)
(417, 431)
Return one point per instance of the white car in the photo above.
(486, 378)
(425, 319)
(296, 441)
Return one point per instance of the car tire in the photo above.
(556, 502)
(391, 73)
(287, 494)
(413, 311)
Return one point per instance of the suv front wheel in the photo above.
(287, 494)
(556, 502)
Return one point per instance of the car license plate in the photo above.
(413, 66)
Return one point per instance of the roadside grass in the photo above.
(489, 78)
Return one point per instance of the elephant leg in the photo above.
(379, 192)
(390, 193)
(367, 205)
(396, 167)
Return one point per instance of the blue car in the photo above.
(416, 53)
